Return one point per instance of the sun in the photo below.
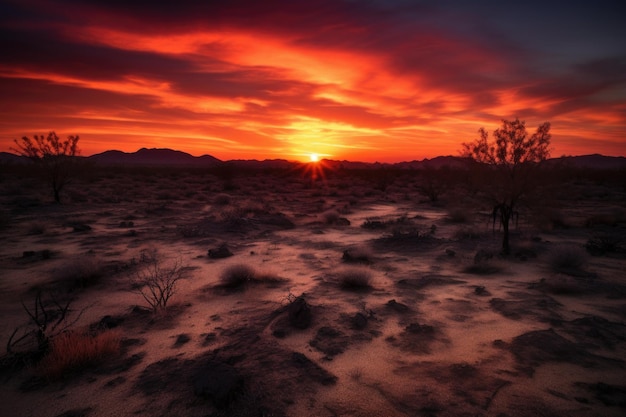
(314, 157)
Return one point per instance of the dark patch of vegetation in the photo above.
(354, 278)
(605, 244)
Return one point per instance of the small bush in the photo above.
(221, 199)
(236, 276)
(74, 350)
(155, 280)
(603, 244)
(567, 259)
(354, 278)
(359, 254)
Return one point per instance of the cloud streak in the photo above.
(364, 80)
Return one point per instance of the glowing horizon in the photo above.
(377, 81)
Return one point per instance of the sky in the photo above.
(361, 80)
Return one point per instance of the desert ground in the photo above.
(350, 295)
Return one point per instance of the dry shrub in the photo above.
(354, 278)
(156, 280)
(75, 350)
(605, 243)
(241, 275)
(236, 276)
(359, 254)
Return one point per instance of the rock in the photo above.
(299, 313)
(342, 221)
(81, 227)
(109, 322)
(219, 382)
(181, 339)
(221, 252)
(481, 290)
(396, 306)
(416, 328)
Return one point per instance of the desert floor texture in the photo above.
(363, 298)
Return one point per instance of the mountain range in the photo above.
(172, 158)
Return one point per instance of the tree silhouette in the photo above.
(512, 160)
(55, 157)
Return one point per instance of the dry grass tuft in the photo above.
(354, 278)
(236, 276)
(75, 350)
(240, 275)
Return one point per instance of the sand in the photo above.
(433, 334)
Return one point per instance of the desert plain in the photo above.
(350, 294)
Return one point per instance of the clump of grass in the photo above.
(240, 276)
(359, 254)
(567, 259)
(354, 278)
(75, 350)
(236, 276)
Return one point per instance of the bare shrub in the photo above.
(354, 278)
(155, 280)
(74, 350)
(49, 316)
(567, 259)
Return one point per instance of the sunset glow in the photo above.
(370, 81)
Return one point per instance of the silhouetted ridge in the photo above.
(154, 156)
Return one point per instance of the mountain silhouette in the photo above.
(173, 158)
(154, 157)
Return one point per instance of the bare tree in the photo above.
(156, 281)
(57, 158)
(512, 160)
(48, 317)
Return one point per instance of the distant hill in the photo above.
(595, 161)
(173, 158)
(154, 157)
(7, 158)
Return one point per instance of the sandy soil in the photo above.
(435, 334)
